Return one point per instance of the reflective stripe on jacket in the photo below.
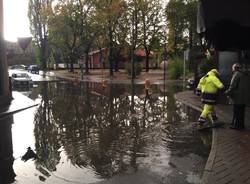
(208, 98)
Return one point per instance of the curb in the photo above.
(19, 103)
(208, 167)
(111, 80)
(4, 114)
(210, 161)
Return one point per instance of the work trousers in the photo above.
(238, 116)
(208, 109)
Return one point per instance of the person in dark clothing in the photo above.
(238, 91)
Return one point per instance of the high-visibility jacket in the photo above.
(200, 85)
(209, 85)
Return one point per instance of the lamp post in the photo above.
(164, 68)
(186, 58)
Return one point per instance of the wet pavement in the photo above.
(19, 102)
(229, 158)
(39, 77)
(121, 77)
(84, 133)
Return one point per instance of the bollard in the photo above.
(104, 83)
(147, 84)
(76, 82)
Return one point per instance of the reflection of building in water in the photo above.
(7, 174)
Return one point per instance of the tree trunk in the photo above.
(71, 65)
(86, 62)
(147, 61)
(71, 58)
(116, 65)
(111, 73)
(190, 37)
(43, 55)
(117, 61)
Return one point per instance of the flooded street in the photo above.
(84, 133)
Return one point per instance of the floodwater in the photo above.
(120, 134)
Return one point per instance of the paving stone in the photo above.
(229, 159)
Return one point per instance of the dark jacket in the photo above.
(239, 90)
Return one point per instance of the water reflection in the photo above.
(46, 134)
(119, 129)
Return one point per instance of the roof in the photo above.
(97, 51)
(225, 23)
(142, 53)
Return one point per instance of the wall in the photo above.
(225, 61)
(5, 95)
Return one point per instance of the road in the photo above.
(36, 77)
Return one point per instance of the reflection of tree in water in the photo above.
(181, 136)
(96, 128)
(46, 133)
(106, 129)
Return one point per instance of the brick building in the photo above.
(99, 59)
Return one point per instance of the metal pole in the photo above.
(164, 77)
(164, 68)
(133, 48)
(184, 67)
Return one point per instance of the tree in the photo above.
(109, 12)
(181, 24)
(176, 24)
(65, 32)
(151, 26)
(191, 16)
(38, 13)
(120, 36)
(88, 27)
(133, 12)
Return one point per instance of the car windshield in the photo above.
(20, 75)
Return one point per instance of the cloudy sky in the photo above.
(16, 23)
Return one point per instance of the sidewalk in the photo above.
(156, 76)
(19, 103)
(229, 158)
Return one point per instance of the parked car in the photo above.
(18, 67)
(33, 69)
(24, 67)
(21, 80)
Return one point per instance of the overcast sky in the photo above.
(16, 23)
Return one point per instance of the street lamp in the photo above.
(164, 67)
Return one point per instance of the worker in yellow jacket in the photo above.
(208, 87)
